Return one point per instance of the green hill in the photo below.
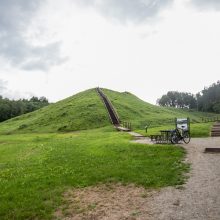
(140, 113)
(85, 110)
(82, 111)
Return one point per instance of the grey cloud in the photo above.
(15, 16)
(13, 94)
(206, 4)
(2, 86)
(44, 57)
(127, 10)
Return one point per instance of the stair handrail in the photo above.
(110, 105)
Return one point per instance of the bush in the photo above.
(23, 126)
(63, 128)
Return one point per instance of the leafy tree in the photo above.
(209, 98)
(164, 101)
(12, 108)
(178, 100)
(206, 100)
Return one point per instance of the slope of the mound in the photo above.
(140, 113)
(84, 110)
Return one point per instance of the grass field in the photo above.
(35, 169)
(72, 144)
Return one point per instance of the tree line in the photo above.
(207, 100)
(13, 108)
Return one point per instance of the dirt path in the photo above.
(198, 199)
(138, 138)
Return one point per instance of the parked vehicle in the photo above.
(182, 131)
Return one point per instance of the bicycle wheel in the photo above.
(186, 137)
(174, 138)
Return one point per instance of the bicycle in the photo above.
(180, 135)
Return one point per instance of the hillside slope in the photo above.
(140, 113)
(85, 110)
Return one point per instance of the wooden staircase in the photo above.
(111, 111)
(215, 132)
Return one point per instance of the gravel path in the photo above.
(200, 196)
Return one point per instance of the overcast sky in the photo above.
(56, 48)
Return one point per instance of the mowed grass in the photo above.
(35, 169)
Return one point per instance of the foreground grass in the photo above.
(35, 169)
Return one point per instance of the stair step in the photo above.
(215, 131)
(212, 150)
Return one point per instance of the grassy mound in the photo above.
(140, 113)
(84, 110)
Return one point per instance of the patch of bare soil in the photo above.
(106, 202)
(198, 199)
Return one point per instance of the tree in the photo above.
(206, 100)
(178, 100)
(12, 108)
(164, 101)
(209, 98)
